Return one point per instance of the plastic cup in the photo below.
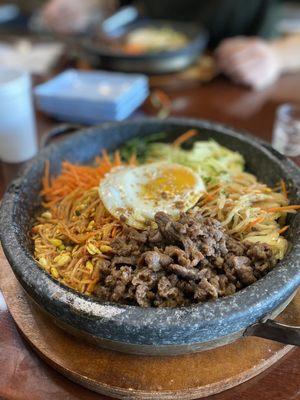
(286, 133)
(18, 139)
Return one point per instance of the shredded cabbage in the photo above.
(209, 159)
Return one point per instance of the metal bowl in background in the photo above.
(150, 63)
(153, 331)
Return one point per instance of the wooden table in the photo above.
(24, 376)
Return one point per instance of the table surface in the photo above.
(24, 376)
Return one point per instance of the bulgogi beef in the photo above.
(180, 263)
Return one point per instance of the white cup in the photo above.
(18, 139)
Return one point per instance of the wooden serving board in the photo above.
(141, 377)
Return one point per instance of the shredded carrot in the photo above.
(184, 137)
(106, 158)
(255, 222)
(133, 160)
(78, 176)
(210, 196)
(283, 188)
(284, 208)
(161, 101)
(163, 97)
(282, 230)
(118, 160)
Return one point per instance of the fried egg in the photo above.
(136, 194)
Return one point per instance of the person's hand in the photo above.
(249, 61)
(73, 16)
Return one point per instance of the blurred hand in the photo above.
(249, 61)
(73, 16)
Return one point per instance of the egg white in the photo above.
(138, 193)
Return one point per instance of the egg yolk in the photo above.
(168, 183)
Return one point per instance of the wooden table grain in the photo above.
(23, 376)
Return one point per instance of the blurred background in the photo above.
(92, 61)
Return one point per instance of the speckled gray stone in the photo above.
(182, 329)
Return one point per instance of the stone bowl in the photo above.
(133, 329)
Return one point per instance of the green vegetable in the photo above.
(209, 159)
(139, 146)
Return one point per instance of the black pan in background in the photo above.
(150, 63)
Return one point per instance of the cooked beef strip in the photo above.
(140, 237)
(122, 260)
(141, 294)
(154, 259)
(181, 262)
(165, 288)
(184, 272)
(205, 290)
(178, 255)
(155, 236)
(192, 252)
(168, 228)
(125, 248)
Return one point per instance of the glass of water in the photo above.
(286, 133)
(18, 140)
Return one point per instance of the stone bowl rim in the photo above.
(231, 307)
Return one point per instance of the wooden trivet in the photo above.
(139, 377)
